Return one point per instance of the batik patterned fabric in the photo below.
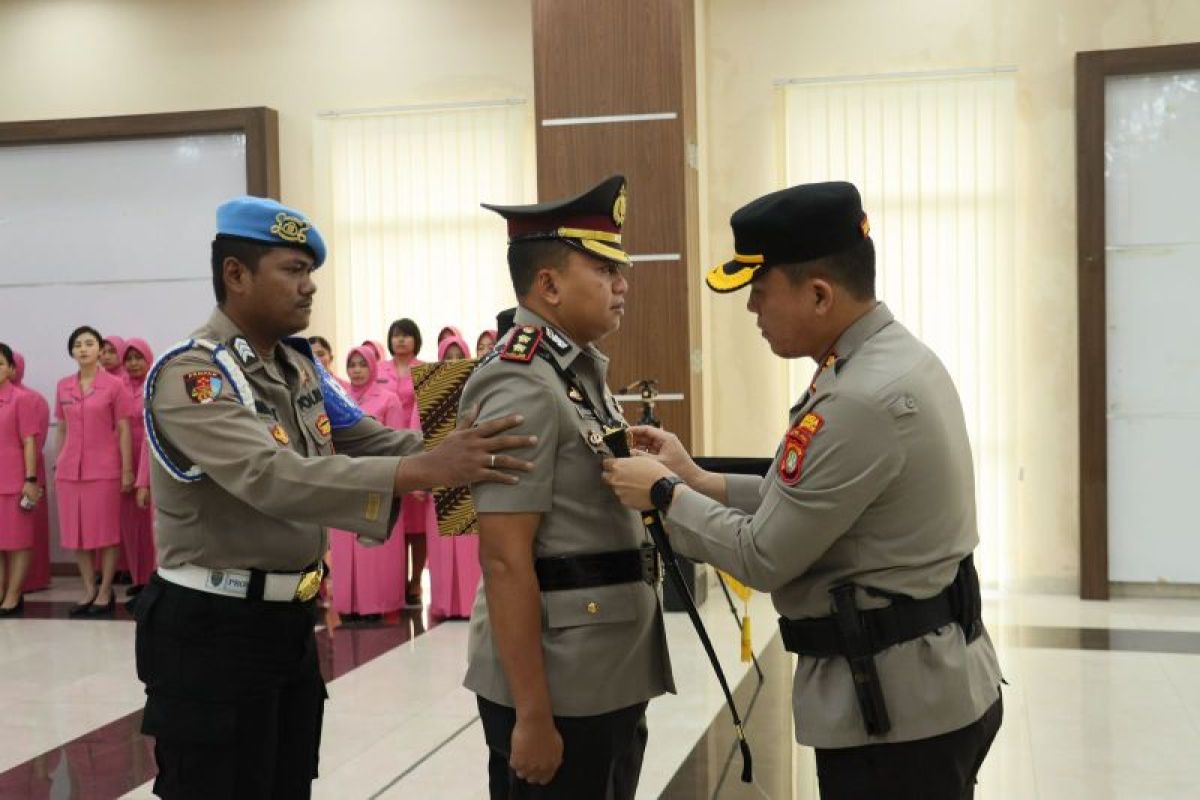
(438, 388)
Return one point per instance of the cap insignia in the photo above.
(618, 211)
(865, 226)
(290, 229)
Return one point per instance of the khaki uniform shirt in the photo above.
(271, 483)
(885, 498)
(605, 648)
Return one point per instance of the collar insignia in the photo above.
(244, 351)
(557, 340)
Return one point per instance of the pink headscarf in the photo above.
(119, 345)
(495, 338)
(445, 344)
(446, 332)
(18, 368)
(368, 355)
(142, 347)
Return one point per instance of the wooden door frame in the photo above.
(260, 125)
(1092, 69)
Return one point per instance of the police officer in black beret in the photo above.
(863, 530)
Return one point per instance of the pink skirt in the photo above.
(137, 538)
(16, 526)
(367, 580)
(454, 574)
(415, 515)
(89, 514)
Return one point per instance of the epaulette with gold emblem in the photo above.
(522, 345)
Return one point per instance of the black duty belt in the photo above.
(885, 627)
(588, 570)
(904, 620)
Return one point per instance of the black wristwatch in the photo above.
(663, 492)
(29, 479)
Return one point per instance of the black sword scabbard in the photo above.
(618, 443)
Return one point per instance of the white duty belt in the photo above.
(277, 587)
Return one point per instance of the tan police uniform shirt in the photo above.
(885, 498)
(605, 648)
(272, 482)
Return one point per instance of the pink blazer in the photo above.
(91, 451)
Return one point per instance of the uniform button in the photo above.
(911, 403)
(593, 607)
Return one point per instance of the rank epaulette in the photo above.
(522, 345)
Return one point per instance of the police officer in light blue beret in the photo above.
(244, 424)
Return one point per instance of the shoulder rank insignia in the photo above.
(203, 386)
(795, 447)
(244, 351)
(522, 345)
(280, 434)
(557, 340)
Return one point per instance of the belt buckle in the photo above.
(651, 566)
(310, 584)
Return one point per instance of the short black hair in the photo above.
(525, 258)
(7, 352)
(223, 247)
(405, 326)
(80, 331)
(853, 269)
(321, 340)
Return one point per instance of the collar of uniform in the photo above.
(860, 331)
(222, 329)
(526, 317)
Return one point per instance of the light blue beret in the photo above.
(260, 219)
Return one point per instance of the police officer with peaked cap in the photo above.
(864, 528)
(257, 451)
(567, 643)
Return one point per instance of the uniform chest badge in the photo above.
(795, 447)
(203, 386)
(280, 434)
(575, 395)
(595, 438)
(323, 425)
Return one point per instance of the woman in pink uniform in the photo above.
(137, 531)
(19, 489)
(454, 571)
(37, 577)
(418, 514)
(368, 581)
(324, 353)
(485, 344)
(110, 356)
(94, 466)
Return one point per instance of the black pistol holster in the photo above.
(858, 635)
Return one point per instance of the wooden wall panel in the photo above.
(629, 57)
(604, 57)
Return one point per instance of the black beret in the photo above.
(803, 223)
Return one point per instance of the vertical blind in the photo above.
(408, 236)
(933, 158)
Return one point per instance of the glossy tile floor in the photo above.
(1103, 702)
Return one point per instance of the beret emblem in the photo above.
(289, 228)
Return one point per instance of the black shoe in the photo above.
(372, 617)
(97, 610)
(412, 600)
(133, 590)
(122, 577)
(15, 610)
(81, 610)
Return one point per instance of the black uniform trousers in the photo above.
(938, 768)
(602, 755)
(234, 694)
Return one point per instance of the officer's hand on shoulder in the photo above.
(470, 454)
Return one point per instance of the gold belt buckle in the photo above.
(310, 584)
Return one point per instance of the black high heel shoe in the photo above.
(81, 610)
(97, 610)
(15, 610)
